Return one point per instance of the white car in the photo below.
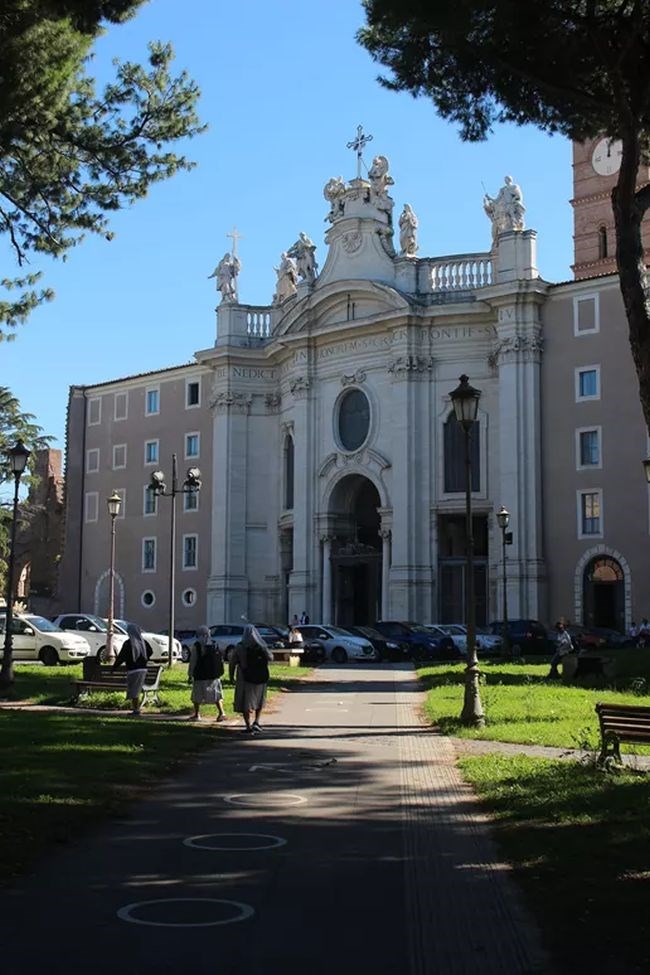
(485, 641)
(457, 633)
(158, 642)
(92, 628)
(35, 638)
(339, 645)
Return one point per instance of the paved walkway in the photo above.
(343, 841)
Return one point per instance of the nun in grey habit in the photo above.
(250, 697)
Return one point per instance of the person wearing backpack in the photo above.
(204, 672)
(248, 666)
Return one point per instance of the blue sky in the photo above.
(284, 86)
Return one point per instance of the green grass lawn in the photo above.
(579, 840)
(62, 771)
(520, 706)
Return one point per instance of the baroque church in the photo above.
(332, 463)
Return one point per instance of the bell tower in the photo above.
(595, 170)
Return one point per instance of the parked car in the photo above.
(92, 628)
(387, 649)
(338, 644)
(613, 638)
(526, 636)
(423, 644)
(456, 633)
(488, 643)
(582, 637)
(35, 638)
(158, 642)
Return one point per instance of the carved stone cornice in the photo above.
(287, 428)
(405, 365)
(517, 348)
(299, 387)
(366, 457)
(357, 377)
(228, 401)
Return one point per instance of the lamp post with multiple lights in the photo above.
(18, 457)
(465, 402)
(191, 484)
(114, 503)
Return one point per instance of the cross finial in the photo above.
(359, 145)
(235, 235)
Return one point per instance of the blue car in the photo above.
(424, 644)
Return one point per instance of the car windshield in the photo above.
(40, 623)
(268, 633)
(368, 631)
(100, 624)
(418, 627)
(120, 625)
(456, 630)
(483, 630)
(339, 631)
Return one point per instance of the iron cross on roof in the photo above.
(359, 145)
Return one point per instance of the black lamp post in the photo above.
(191, 484)
(114, 503)
(503, 518)
(465, 402)
(18, 456)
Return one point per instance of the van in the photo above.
(35, 638)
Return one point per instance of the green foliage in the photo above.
(70, 156)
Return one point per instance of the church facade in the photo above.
(333, 466)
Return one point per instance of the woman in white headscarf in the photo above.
(134, 654)
(249, 664)
(205, 669)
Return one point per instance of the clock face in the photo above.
(606, 157)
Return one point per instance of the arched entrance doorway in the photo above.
(356, 551)
(604, 593)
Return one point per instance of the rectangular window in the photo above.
(94, 412)
(454, 439)
(92, 460)
(148, 554)
(587, 383)
(152, 401)
(119, 456)
(190, 546)
(192, 393)
(590, 514)
(191, 501)
(588, 447)
(151, 451)
(150, 504)
(121, 406)
(92, 506)
(586, 314)
(192, 445)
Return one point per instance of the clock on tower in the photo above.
(595, 169)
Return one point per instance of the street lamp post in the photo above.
(503, 518)
(18, 456)
(114, 503)
(191, 484)
(465, 402)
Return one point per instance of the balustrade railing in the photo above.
(460, 272)
(258, 322)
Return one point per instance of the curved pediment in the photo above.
(342, 302)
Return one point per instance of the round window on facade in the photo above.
(147, 598)
(189, 597)
(353, 419)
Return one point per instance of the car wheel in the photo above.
(48, 656)
(339, 656)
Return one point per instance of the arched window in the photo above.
(288, 473)
(454, 441)
(602, 242)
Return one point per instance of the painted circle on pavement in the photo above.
(240, 912)
(263, 799)
(219, 841)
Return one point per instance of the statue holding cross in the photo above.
(227, 270)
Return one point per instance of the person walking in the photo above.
(248, 666)
(134, 654)
(563, 646)
(204, 671)
(644, 633)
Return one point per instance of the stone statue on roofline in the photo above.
(287, 283)
(379, 183)
(334, 191)
(303, 252)
(408, 232)
(226, 273)
(506, 210)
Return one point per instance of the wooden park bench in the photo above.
(288, 655)
(622, 723)
(107, 679)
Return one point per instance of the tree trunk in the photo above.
(629, 207)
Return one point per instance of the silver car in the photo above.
(338, 645)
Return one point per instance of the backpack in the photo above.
(256, 670)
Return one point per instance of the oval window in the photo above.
(147, 598)
(354, 419)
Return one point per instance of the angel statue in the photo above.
(408, 232)
(303, 252)
(379, 183)
(506, 209)
(333, 191)
(226, 273)
(287, 283)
